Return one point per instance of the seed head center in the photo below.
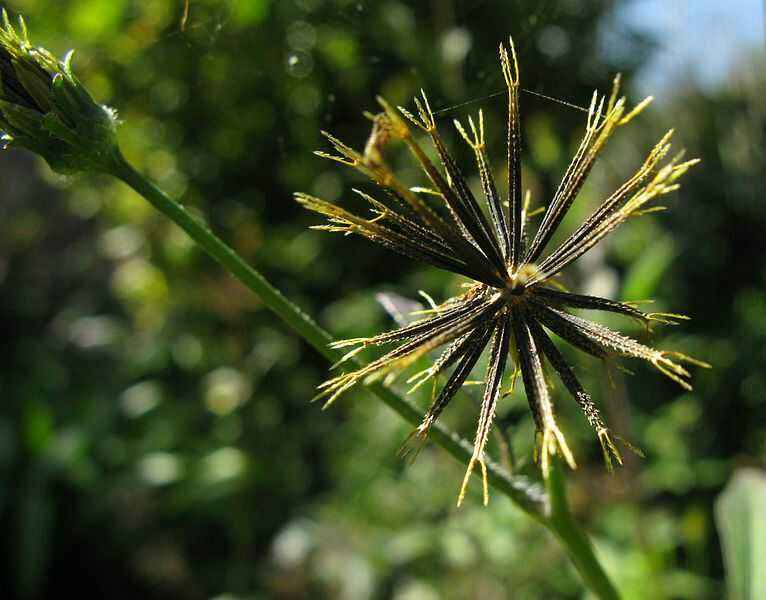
(515, 287)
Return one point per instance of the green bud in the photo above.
(45, 108)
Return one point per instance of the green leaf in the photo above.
(250, 12)
(740, 512)
(91, 19)
(644, 276)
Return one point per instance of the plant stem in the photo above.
(574, 539)
(527, 495)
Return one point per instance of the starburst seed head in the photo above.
(512, 305)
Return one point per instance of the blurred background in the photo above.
(156, 435)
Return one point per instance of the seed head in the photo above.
(45, 108)
(513, 302)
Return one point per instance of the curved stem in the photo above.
(523, 492)
(561, 522)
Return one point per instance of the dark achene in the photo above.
(510, 305)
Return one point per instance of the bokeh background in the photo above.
(156, 435)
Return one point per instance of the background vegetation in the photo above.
(156, 439)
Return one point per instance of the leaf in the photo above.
(93, 19)
(643, 278)
(740, 512)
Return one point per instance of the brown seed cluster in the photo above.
(512, 305)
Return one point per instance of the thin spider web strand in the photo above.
(447, 109)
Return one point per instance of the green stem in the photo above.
(524, 493)
(561, 522)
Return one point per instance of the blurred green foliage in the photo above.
(741, 519)
(156, 439)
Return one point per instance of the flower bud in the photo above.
(45, 108)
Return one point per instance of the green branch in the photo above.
(524, 493)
